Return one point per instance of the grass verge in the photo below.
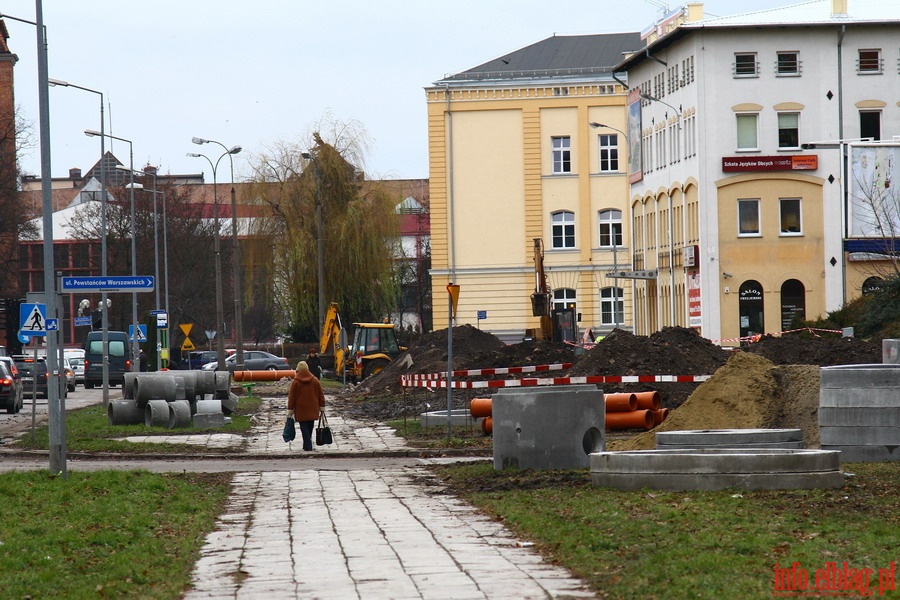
(461, 436)
(111, 534)
(88, 430)
(688, 545)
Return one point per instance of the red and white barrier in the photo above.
(408, 381)
(495, 371)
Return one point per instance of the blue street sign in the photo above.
(482, 314)
(32, 319)
(52, 324)
(142, 333)
(113, 283)
(83, 321)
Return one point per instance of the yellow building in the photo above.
(532, 146)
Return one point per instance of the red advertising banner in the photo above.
(795, 162)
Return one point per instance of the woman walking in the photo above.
(305, 401)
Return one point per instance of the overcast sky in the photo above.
(254, 73)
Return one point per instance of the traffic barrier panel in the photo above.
(248, 376)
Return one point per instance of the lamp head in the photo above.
(194, 155)
(54, 82)
(91, 133)
(199, 141)
(235, 150)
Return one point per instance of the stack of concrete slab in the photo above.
(171, 399)
(729, 438)
(859, 411)
(547, 428)
(717, 469)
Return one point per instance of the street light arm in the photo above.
(596, 125)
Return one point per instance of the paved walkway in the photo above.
(362, 518)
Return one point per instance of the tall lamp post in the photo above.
(55, 399)
(235, 256)
(220, 310)
(135, 354)
(104, 301)
(320, 240)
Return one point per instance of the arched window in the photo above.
(609, 224)
(793, 303)
(563, 229)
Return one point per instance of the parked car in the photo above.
(77, 365)
(70, 375)
(33, 375)
(254, 360)
(11, 396)
(200, 358)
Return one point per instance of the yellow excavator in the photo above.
(374, 347)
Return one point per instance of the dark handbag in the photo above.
(290, 431)
(323, 432)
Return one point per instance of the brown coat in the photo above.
(306, 397)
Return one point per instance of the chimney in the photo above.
(695, 12)
(75, 173)
(839, 8)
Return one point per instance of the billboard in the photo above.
(873, 194)
(635, 169)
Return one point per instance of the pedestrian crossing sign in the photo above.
(32, 319)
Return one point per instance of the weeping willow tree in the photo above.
(358, 223)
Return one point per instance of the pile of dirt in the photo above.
(824, 351)
(749, 392)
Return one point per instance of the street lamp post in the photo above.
(104, 301)
(320, 241)
(235, 257)
(220, 310)
(55, 399)
(135, 354)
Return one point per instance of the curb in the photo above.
(410, 453)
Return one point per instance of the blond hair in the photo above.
(302, 367)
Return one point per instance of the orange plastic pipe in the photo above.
(487, 425)
(636, 419)
(649, 400)
(263, 375)
(659, 416)
(623, 402)
(480, 407)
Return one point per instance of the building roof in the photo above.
(814, 13)
(560, 56)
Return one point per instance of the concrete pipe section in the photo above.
(153, 387)
(156, 413)
(859, 411)
(124, 412)
(717, 469)
(179, 414)
(729, 438)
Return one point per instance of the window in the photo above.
(748, 216)
(869, 61)
(610, 223)
(562, 154)
(787, 64)
(790, 216)
(870, 124)
(564, 229)
(747, 132)
(745, 64)
(788, 130)
(612, 306)
(609, 152)
(563, 298)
